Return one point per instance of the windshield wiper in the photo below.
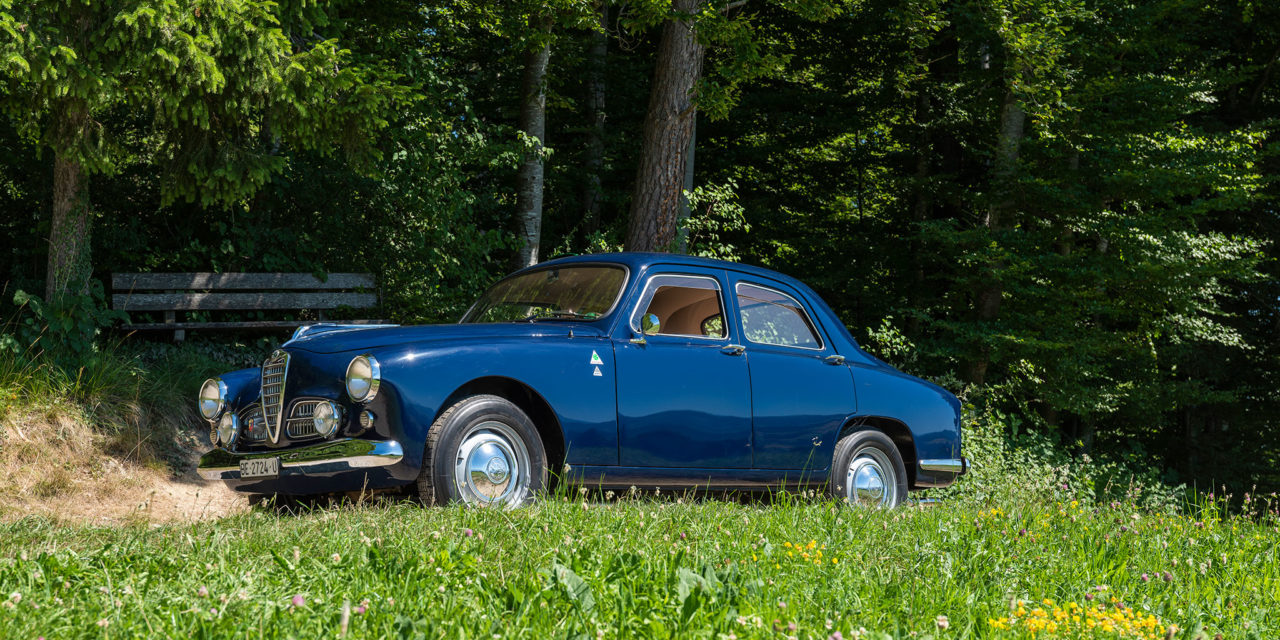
(560, 315)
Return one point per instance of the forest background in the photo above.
(1064, 210)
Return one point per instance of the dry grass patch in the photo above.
(108, 442)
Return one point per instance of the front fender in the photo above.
(420, 378)
(243, 387)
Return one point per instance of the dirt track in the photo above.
(58, 467)
(125, 495)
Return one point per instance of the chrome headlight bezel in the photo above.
(327, 418)
(366, 373)
(228, 429)
(211, 402)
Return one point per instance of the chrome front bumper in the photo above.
(326, 457)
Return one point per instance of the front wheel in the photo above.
(483, 451)
(867, 470)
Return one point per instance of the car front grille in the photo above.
(274, 371)
(300, 425)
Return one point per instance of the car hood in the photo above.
(336, 339)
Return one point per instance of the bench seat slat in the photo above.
(255, 281)
(241, 301)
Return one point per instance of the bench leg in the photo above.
(171, 317)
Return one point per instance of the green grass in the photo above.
(640, 568)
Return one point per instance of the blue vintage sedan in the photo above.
(616, 370)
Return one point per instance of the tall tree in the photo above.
(593, 161)
(219, 78)
(679, 89)
(533, 125)
(668, 127)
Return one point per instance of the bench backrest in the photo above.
(240, 291)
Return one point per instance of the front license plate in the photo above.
(260, 468)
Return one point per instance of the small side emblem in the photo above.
(597, 373)
(595, 358)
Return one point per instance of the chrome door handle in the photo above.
(834, 359)
(733, 349)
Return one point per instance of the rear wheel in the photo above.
(483, 451)
(867, 470)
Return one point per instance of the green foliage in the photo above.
(1129, 223)
(1015, 459)
(714, 216)
(65, 330)
(741, 49)
(224, 82)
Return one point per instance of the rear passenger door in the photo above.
(801, 390)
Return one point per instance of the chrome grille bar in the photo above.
(300, 425)
(274, 372)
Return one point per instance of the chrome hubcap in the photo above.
(492, 466)
(870, 479)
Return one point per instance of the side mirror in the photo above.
(649, 324)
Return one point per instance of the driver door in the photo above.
(684, 392)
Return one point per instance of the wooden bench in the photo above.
(174, 292)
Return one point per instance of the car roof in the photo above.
(638, 261)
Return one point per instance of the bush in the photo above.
(1012, 464)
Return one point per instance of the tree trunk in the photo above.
(668, 126)
(69, 266)
(682, 232)
(593, 163)
(1088, 429)
(988, 296)
(921, 205)
(533, 122)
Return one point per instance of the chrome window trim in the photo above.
(813, 327)
(646, 296)
(622, 288)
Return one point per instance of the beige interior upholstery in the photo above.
(681, 310)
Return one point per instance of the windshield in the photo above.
(561, 293)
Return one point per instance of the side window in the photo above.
(772, 317)
(685, 306)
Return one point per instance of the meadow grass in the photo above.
(624, 567)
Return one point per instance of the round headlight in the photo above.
(213, 398)
(228, 429)
(363, 377)
(327, 418)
